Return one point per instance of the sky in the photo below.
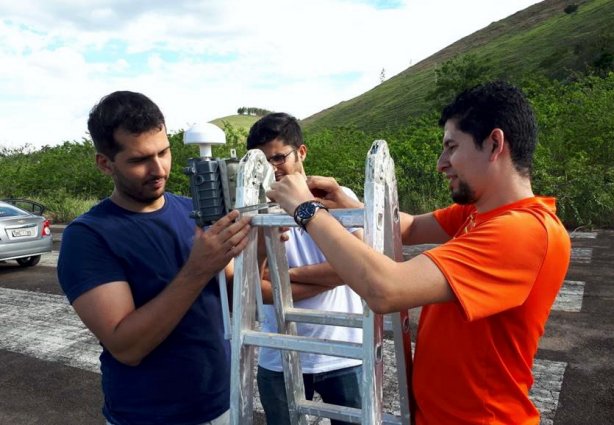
(203, 59)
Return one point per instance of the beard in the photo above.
(464, 195)
(138, 192)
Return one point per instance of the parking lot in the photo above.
(49, 361)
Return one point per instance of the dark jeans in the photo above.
(341, 387)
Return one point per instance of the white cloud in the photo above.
(201, 60)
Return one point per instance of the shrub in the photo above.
(62, 207)
(571, 8)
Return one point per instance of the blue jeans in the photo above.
(341, 387)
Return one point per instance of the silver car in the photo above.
(24, 236)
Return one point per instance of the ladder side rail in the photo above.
(243, 318)
(372, 379)
(262, 183)
(282, 300)
(226, 320)
(400, 321)
(253, 174)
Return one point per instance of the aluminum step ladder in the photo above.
(380, 219)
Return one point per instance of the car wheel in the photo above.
(29, 261)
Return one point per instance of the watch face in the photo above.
(307, 210)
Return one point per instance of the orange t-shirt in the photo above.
(474, 356)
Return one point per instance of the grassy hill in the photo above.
(238, 122)
(542, 39)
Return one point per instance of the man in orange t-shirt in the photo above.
(487, 289)
(475, 356)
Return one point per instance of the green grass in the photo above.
(541, 39)
(62, 208)
(237, 121)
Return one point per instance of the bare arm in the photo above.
(385, 284)
(419, 229)
(131, 333)
(300, 291)
(415, 229)
(317, 274)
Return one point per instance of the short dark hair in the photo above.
(277, 125)
(497, 104)
(130, 111)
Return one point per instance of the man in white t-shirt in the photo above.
(315, 285)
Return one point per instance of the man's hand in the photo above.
(213, 248)
(290, 192)
(330, 193)
(294, 189)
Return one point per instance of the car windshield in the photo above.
(8, 211)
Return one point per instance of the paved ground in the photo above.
(49, 371)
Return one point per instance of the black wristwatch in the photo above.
(305, 212)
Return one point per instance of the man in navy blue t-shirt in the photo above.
(141, 276)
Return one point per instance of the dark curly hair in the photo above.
(130, 111)
(272, 126)
(497, 104)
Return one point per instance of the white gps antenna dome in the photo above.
(204, 135)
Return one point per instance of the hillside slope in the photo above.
(236, 121)
(540, 40)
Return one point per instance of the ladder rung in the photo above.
(320, 317)
(332, 411)
(333, 318)
(340, 413)
(305, 344)
(348, 217)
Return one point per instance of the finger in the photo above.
(273, 191)
(239, 233)
(318, 193)
(224, 222)
(232, 246)
(241, 224)
(321, 186)
(283, 234)
(236, 249)
(232, 215)
(198, 231)
(300, 179)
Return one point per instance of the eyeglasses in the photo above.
(280, 158)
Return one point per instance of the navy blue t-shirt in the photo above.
(185, 380)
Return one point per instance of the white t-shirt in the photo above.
(301, 250)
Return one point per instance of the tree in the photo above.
(382, 75)
(259, 112)
(456, 75)
(571, 8)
